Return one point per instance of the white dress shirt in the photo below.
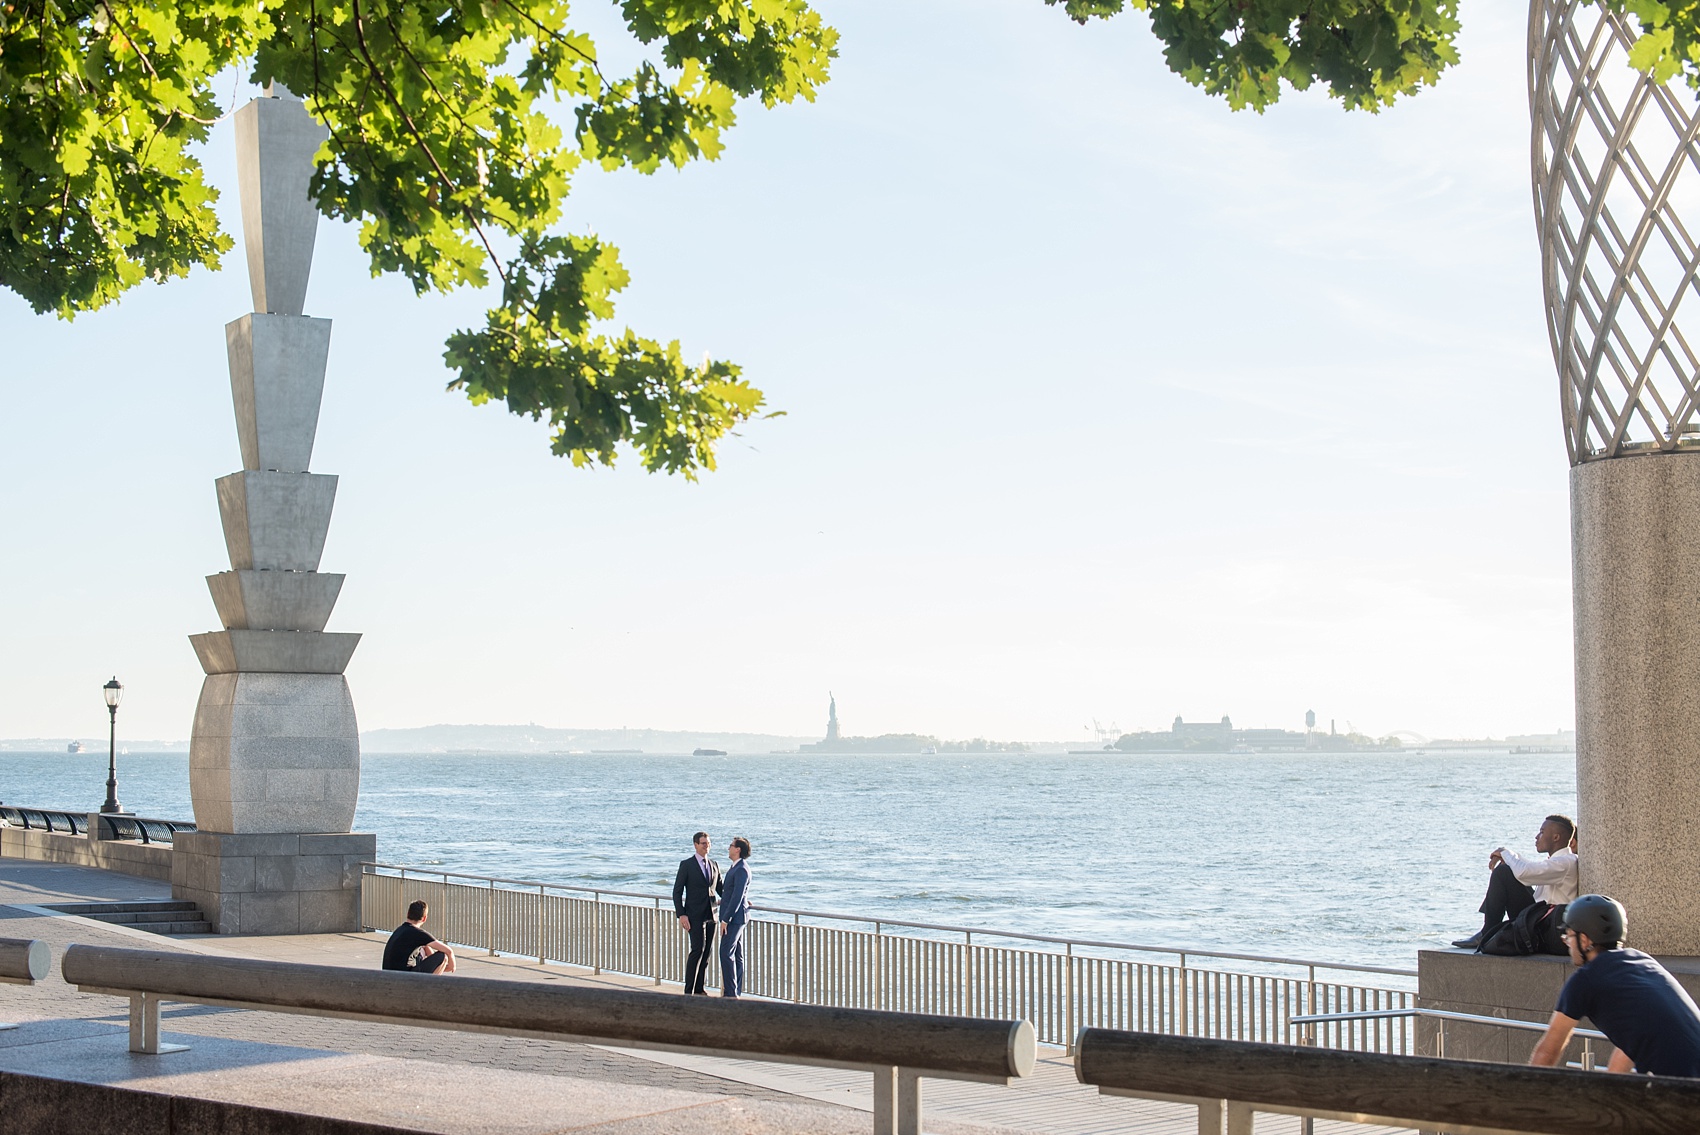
(1553, 877)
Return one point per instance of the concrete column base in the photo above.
(1521, 989)
(305, 883)
(1637, 595)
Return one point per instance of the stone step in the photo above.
(170, 928)
(155, 917)
(96, 909)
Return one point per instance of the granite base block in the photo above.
(275, 883)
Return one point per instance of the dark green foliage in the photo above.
(441, 152)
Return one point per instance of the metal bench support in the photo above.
(144, 1027)
(897, 1102)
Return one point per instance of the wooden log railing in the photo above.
(1230, 1081)
(898, 1049)
(23, 961)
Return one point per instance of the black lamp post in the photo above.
(114, 694)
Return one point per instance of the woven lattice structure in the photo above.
(1615, 164)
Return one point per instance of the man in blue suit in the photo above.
(694, 887)
(734, 914)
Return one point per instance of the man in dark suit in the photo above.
(694, 888)
(734, 913)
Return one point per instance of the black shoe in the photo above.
(1474, 941)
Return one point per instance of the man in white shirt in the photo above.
(1517, 881)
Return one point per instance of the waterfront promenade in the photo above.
(477, 1084)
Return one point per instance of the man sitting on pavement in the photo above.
(1518, 882)
(412, 949)
(1651, 1020)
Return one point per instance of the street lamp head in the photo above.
(114, 693)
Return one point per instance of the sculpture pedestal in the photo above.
(288, 883)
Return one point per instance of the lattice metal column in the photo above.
(1615, 165)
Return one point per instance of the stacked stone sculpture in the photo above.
(274, 760)
(1615, 155)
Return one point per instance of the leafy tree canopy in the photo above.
(441, 150)
(1366, 52)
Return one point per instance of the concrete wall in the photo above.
(41, 1105)
(1522, 989)
(128, 857)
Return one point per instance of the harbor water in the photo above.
(1356, 857)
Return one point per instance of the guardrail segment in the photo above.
(23, 961)
(1230, 1081)
(898, 1049)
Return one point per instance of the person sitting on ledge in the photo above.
(412, 949)
(1648, 1017)
(1518, 882)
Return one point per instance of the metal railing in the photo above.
(120, 825)
(813, 957)
(1589, 1036)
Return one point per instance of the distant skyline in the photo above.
(1101, 402)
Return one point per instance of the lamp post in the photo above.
(114, 691)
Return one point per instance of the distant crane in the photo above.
(1105, 734)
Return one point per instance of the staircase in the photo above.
(154, 917)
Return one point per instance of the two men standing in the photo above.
(697, 885)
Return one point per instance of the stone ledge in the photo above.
(127, 857)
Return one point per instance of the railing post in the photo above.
(596, 933)
(1240, 1118)
(1210, 1117)
(879, 968)
(490, 917)
(1181, 1013)
(540, 951)
(656, 926)
(967, 973)
(1068, 1002)
(1587, 1054)
(908, 1102)
(796, 959)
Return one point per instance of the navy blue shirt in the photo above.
(1640, 1008)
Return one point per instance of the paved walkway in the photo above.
(473, 1083)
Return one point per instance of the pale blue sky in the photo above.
(1102, 402)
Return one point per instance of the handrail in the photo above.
(898, 1048)
(144, 828)
(1441, 1014)
(1241, 1078)
(881, 921)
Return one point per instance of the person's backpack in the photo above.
(1535, 930)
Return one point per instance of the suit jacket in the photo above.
(735, 895)
(693, 893)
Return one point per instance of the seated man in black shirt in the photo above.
(413, 950)
(1651, 1020)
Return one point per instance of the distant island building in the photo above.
(1221, 737)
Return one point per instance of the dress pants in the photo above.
(1506, 897)
(702, 949)
(732, 961)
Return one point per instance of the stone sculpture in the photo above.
(274, 764)
(1615, 158)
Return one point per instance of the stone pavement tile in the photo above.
(32, 882)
